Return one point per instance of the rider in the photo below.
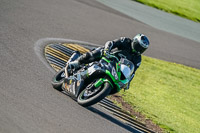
(130, 48)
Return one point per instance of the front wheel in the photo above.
(58, 79)
(91, 95)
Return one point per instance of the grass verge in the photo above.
(189, 9)
(168, 94)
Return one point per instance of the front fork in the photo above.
(101, 81)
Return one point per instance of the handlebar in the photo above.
(108, 55)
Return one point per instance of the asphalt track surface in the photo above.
(156, 18)
(28, 103)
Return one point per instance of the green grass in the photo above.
(186, 8)
(167, 93)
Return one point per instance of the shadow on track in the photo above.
(56, 55)
(113, 120)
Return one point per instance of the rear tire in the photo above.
(104, 91)
(58, 79)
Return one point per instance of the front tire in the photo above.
(58, 79)
(104, 90)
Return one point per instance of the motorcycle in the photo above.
(94, 81)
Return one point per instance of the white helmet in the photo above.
(139, 44)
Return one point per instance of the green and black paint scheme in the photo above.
(94, 81)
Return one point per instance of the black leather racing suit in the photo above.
(123, 45)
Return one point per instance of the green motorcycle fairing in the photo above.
(112, 71)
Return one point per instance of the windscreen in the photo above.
(128, 63)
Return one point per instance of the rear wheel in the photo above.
(91, 94)
(58, 79)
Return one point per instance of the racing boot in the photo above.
(74, 65)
